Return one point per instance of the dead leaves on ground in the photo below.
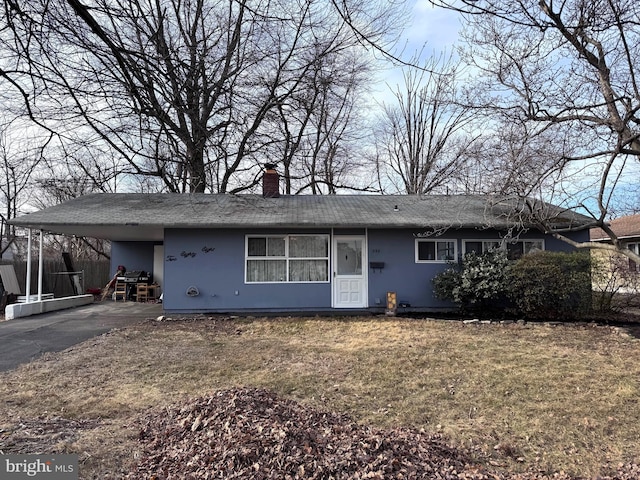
(253, 434)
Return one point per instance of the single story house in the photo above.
(620, 273)
(300, 253)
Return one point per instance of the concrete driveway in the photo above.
(25, 339)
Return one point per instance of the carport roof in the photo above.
(136, 216)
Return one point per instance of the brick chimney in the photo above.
(270, 182)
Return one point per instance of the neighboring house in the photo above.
(243, 253)
(618, 273)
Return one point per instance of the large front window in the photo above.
(287, 258)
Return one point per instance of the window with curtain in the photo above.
(287, 258)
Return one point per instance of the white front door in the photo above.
(349, 272)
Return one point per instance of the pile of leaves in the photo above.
(253, 434)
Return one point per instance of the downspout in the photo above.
(40, 266)
(27, 287)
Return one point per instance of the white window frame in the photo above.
(436, 250)
(286, 257)
(483, 241)
(524, 241)
(503, 244)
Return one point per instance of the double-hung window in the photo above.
(435, 250)
(287, 258)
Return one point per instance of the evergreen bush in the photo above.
(545, 285)
(480, 283)
(552, 285)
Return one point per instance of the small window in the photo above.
(480, 246)
(523, 247)
(435, 250)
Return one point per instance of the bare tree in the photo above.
(570, 69)
(321, 126)
(183, 91)
(510, 159)
(422, 139)
(19, 158)
(65, 174)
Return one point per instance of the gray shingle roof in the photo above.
(122, 216)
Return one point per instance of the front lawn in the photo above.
(521, 396)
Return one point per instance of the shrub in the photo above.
(445, 284)
(552, 285)
(480, 282)
(545, 285)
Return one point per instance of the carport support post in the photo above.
(40, 266)
(27, 287)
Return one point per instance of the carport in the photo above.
(36, 304)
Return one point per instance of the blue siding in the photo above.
(401, 274)
(212, 261)
(412, 281)
(135, 256)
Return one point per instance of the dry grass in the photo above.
(523, 396)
